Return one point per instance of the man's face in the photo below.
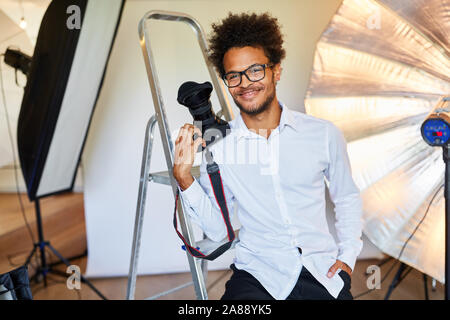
(251, 97)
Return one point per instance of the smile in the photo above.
(249, 94)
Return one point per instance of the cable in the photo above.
(404, 246)
(17, 81)
(14, 154)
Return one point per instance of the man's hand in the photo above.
(339, 265)
(185, 149)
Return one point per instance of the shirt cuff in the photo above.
(348, 258)
(193, 194)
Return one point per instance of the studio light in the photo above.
(64, 79)
(378, 83)
(436, 127)
(18, 60)
(436, 132)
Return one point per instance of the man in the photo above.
(286, 250)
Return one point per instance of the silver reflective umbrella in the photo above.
(379, 68)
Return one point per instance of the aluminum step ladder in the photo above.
(198, 267)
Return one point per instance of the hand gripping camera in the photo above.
(196, 97)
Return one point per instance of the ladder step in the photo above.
(162, 177)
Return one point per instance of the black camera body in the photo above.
(196, 96)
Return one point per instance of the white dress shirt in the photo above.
(279, 186)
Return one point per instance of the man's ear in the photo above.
(277, 71)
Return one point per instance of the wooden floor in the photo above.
(64, 227)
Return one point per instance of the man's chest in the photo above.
(293, 162)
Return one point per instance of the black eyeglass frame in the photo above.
(265, 65)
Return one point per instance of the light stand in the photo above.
(446, 153)
(64, 81)
(436, 132)
(45, 268)
(401, 274)
(20, 61)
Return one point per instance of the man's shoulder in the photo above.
(302, 119)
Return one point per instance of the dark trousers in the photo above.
(243, 286)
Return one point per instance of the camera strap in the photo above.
(219, 194)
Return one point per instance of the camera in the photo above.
(196, 97)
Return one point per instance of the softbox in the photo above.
(66, 74)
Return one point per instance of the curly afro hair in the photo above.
(241, 30)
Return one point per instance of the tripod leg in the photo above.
(41, 242)
(44, 263)
(68, 259)
(27, 262)
(425, 283)
(385, 261)
(37, 268)
(395, 281)
(83, 279)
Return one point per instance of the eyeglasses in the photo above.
(254, 73)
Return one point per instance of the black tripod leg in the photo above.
(425, 284)
(395, 280)
(27, 262)
(42, 269)
(384, 261)
(41, 242)
(68, 259)
(44, 264)
(83, 279)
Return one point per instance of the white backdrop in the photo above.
(112, 157)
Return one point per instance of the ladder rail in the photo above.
(140, 208)
(197, 266)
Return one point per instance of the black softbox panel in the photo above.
(50, 74)
(44, 92)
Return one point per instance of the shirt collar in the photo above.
(287, 118)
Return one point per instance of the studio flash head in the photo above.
(436, 127)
